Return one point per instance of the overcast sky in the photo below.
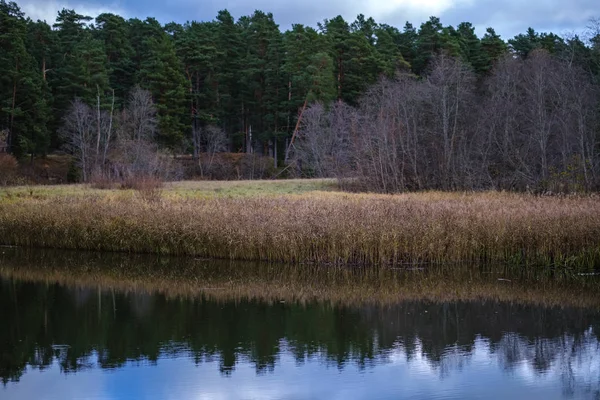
(508, 17)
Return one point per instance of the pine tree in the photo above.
(88, 68)
(471, 48)
(261, 82)
(196, 48)
(553, 43)
(304, 49)
(576, 53)
(13, 56)
(493, 46)
(407, 43)
(523, 44)
(450, 42)
(24, 107)
(356, 64)
(388, 50)
(79, 67)
(306, 53)
(42, 42)
(38, 102)
(113, 31)
(321, 84)
(366, 27)
(429, 43)
(161, 72)
(228, 66)
(595, 56)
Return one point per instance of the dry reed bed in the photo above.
(320, 227)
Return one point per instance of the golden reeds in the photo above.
(333, 228)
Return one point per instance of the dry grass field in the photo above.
(308, 221)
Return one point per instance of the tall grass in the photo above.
(324, 228)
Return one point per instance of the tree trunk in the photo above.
(287, 152)
(98, 125)
(13, 106)
(109, 133)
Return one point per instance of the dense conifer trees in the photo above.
(247, 77)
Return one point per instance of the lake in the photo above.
(110, 326)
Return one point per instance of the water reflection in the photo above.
(147, 344)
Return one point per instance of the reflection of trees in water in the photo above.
(82, 329)
(574, 359)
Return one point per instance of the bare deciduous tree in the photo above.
(138, 120)
(213, 140)
(135, 152)
(79, 133)
(323, 139)
(451, 92)
(132, 152)
(531, 124)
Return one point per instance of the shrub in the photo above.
(74, 173)
(149, 188)
(228, 166)
(8, 169)
(101, 181)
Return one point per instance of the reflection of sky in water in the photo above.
(481, 372)
(293, 350)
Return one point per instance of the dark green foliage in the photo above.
(24, 95)
(471, 48)
(493, 46)
(261, 79)
(355, 60)
(390, 54)
(407, 43)
(428, 43)
(113, 31)
(161, 72)
(246, 77)
(523, 44)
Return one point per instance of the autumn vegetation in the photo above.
(530, 125)
(432, 106)
(438, 128)
(314, 227)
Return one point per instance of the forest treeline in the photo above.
(240, 86)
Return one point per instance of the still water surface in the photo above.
(75, 341)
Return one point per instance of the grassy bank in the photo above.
(175, 190)
(297, 222)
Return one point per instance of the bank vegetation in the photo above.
(317, 227)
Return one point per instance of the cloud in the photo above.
(508, 17)
(309, 12)
(47, 10)
(511, 17)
